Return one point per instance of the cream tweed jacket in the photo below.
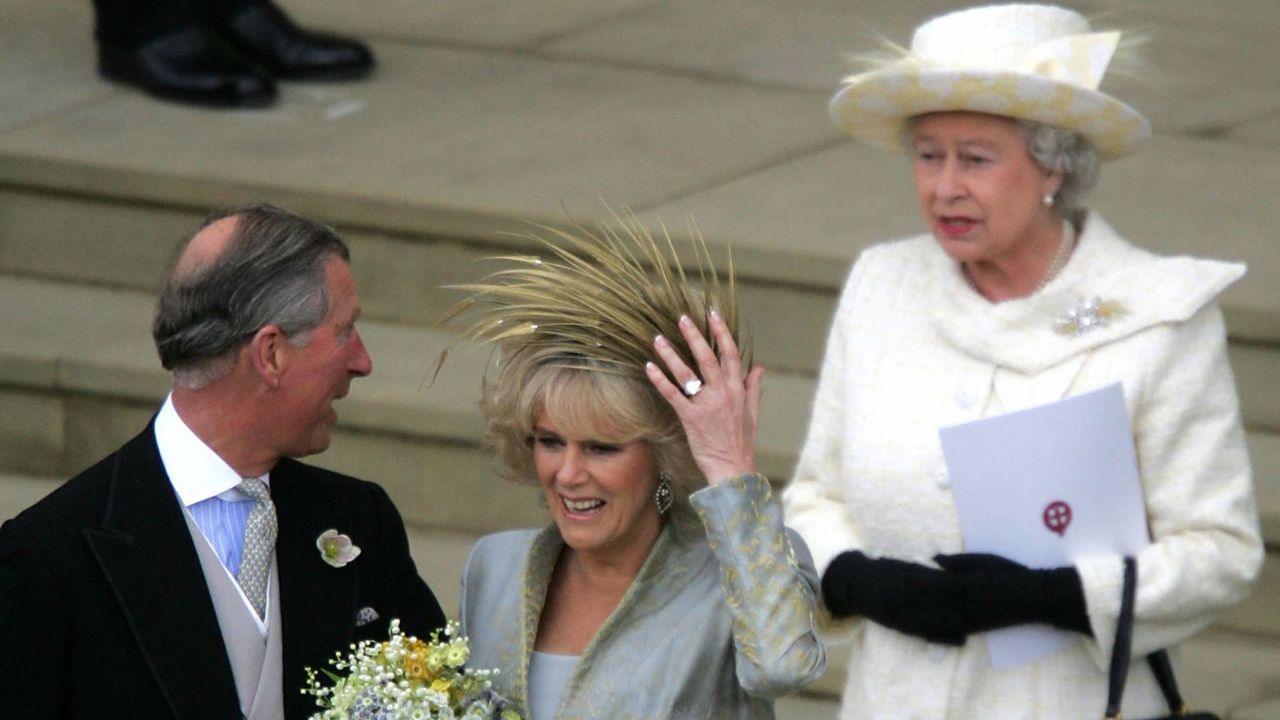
(913, 348)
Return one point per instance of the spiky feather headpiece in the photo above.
(599, 297)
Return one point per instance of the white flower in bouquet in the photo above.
(404, 678)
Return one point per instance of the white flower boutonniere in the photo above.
(336, 549)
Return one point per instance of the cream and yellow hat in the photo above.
(1032, 62)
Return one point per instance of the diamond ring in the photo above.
(692, 387)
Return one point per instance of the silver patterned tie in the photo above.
(259, 544)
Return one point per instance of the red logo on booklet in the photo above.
(1057, 516)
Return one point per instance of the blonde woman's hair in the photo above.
(586, 402)
(574, 329)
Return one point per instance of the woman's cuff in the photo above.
(732, 493)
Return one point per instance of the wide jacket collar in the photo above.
(318, 602)
(663, 575)
(147, 554)
(1135, 289)
(145, 550)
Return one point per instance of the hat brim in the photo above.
(873, 107)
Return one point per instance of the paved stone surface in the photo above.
(521, 138)
(1227, 672)
(866, 194)
(17, 492)
(1262, 711)
(139, 242)
(488, 23)
(1199, 197)
(48, 59)
(32, 434)
(93, 342)
(1264, 450)
(483, 109)
(96, 341)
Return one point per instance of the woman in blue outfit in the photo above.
(666, 585)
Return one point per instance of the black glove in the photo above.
(998, 592)
(910, 598)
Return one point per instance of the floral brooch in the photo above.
(336, 549)
(1092, 314)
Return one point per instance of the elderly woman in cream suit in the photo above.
(666, 586)
(1016, 297)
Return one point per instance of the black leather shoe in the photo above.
(266, 36)
(188, 66)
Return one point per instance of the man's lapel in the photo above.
(317, 602)
(147, 555)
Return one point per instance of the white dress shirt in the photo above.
(205, 484)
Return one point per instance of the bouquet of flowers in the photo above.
(404, 678)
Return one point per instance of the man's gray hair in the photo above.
(271, 272)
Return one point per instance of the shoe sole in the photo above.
(123, 72)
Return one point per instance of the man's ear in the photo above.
(268, 355)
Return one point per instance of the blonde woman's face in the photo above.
(980, 191)
(600, 493)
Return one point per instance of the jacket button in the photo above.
(943, 478)
(965, 398)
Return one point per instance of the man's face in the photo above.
(321, 372)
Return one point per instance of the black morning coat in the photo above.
(104, 611)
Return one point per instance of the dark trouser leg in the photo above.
(131, 23)
(167, 48)
(222, 9)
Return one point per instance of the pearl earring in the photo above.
(1048, 199)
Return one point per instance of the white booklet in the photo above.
(1044, 487)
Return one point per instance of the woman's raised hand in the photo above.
(717, 405)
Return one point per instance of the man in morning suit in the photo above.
(180, 576)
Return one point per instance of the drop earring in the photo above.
(663, 497)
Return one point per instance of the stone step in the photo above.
(18, 492)
(402, 268)
(80, 368)
(617, 102)
(81, 377)
(78, 377)
(1267, 710)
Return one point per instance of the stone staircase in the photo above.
(477, 123)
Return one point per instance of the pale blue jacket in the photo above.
(712, 627)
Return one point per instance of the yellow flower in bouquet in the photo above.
(405, 678)
(415, 666)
